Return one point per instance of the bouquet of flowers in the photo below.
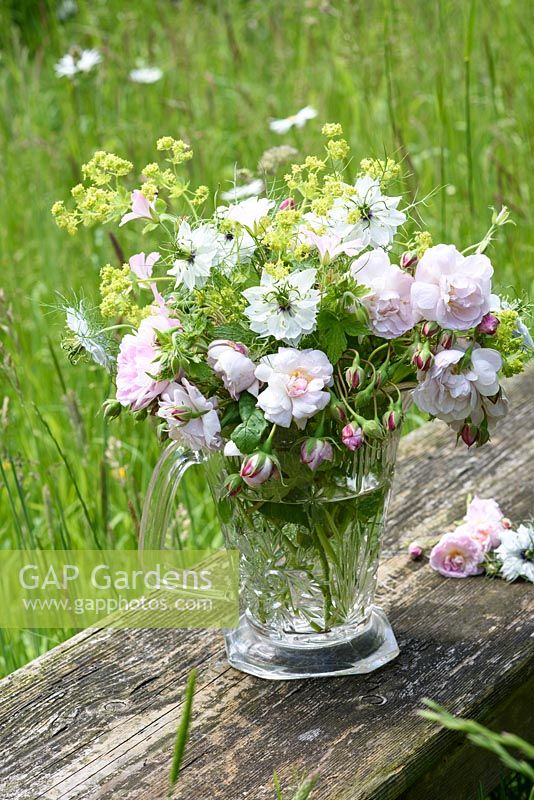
(302, 316)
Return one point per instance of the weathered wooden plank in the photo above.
(96, 717)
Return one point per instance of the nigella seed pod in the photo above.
(314, 451)
(447, 341)
(469, 434)
(257, 469)
(352, 436)
(233, 484)
(488, 324)
(288, 203)
(430, 329)
(409, 259)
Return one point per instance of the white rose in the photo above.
(453, 396)
(451, 289)
(229, 360)
(295, 383)
(192, 419)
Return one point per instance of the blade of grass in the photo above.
(183, 731)
(72, 476)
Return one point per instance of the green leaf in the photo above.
(247, 405)
(247, 436)
(353, 326)
(331, 335)
(235, 332)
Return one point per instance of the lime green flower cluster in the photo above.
(68, 220)
(116, 291)
(422, 242)
(378, 169)
(279, 236)
(103, 167)
(509, 344)
(179, 151)
(222, 303)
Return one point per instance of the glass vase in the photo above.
(309, 549)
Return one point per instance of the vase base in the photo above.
(268, 657)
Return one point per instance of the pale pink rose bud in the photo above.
(314, 451)
(354, 376)
(415, 550)
(488, 324)
(408, 259)
(422, 358)
(337, 410)
(352, 436)
(430, 328)
(447, 341)
(288, 203)
(233, 484)
(506, 523)
(392, 420)
(469, 434)
(184, 414)
(257, 469)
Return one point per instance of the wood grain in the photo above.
(95, 718)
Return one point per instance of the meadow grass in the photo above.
(443, 85)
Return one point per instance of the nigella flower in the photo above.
(285, 308)
(248, 213)
(201, 249)
(251, 189)
(297, 120)
(146, 75)
(376, 217)
(86, 336)
(78, 61)
(516, 552)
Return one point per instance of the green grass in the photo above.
(444, 85)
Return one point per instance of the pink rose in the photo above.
(484, 521)
(388, 302)
(137, 364)
(457, 555)
(452, 289)
(229, 360)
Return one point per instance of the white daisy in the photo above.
(250, 189)
(201, 249)
(516, 552)
(379, 217)
(79, 61)
(285, 309)
(298, 120)
(92, 341)
(146, 75)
